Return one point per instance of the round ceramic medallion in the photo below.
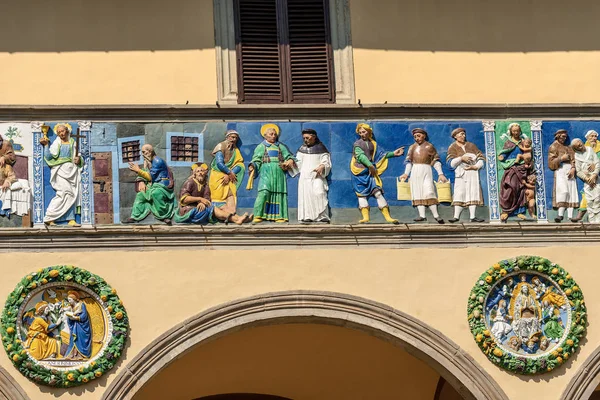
(527, 314)
(63, 326)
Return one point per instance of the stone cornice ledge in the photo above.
(189, 113)
(157, 237)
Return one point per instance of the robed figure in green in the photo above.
(270, 161)
(155, 183)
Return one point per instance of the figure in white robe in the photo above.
(65, 176)
(561, 160)
(314, 163)
(422, 156)
(15, 194)
(16, 199)
(587, 165)
(526, 316)
(500, 327)
(466, 160)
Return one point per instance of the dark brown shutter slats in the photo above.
(258, 52)
(284, 51)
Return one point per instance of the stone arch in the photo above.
(9, 388)
(585, 380)
(384, 322)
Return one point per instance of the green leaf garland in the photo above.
(51, 376)
(485, 340)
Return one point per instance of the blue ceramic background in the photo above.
(337, 136)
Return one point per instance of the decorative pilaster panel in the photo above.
(538, 159)
(491, 170)
(38, 175)
(343, 60)
(227, 87)
(85, 128)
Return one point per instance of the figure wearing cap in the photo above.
(591, 140)
(561, 160)
(314, 163)
(368, 162)
(156, 189)
(196, 205)
(65, 176)
(466, 160)
(270, 161)
(226, 171)
(40, 341)
(422, 156)
(587, 165)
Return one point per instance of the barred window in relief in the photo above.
(184, 148)
(130, 151)
(284, 52)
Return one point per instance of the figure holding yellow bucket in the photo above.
(419, 161)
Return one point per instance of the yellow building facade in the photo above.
(338, 311)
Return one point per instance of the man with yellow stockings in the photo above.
(367, 164)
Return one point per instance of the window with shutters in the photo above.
(284, 52)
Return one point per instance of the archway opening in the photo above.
(309, 307)
(298, 362)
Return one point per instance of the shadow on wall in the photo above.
(109, 25)
(474, 25)
(419, 25)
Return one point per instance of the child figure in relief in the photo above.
(526, 147)
(529, 178)
(529, 183)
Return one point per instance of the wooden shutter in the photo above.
(284, 51)
(309, 53)
(258, 52)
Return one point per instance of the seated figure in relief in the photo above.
(14, 193)
(155, 189)
(526, 313)
(196, 206)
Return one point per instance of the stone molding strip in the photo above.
(586, 379)
(9, 388)
(376, 319)
(307, 112)
(157, 237)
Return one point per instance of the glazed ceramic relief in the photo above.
(82, 173)
(63, 326)
(527, 314)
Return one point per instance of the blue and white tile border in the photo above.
(87, 199)
(491, 170)
(538, 160)
(38, 175)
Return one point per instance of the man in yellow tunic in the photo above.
(40, 345)
(227, 171)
